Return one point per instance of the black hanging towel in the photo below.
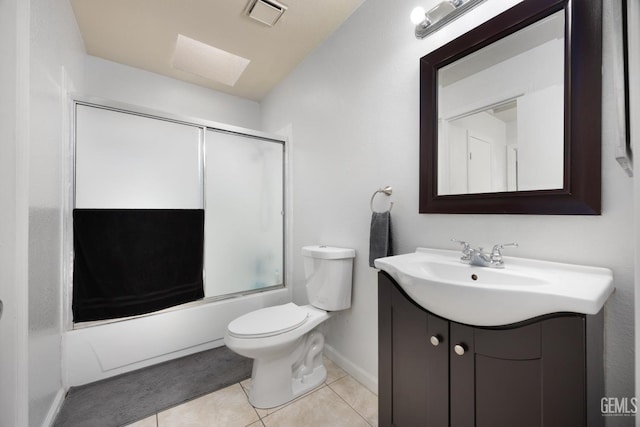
(135, 261)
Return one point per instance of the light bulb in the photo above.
(417, 15)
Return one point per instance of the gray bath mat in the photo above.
(136, 395)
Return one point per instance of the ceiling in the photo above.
(143, 34)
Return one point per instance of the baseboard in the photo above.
(54, 409)
(365, 378)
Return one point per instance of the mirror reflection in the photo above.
(501, 114)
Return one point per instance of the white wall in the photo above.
(56, 53)
(117, 82)
(353, 106)
(14, 34)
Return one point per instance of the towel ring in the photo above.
(386, 190)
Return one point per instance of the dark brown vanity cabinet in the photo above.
(436, 372)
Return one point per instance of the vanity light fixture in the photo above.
(439, 15)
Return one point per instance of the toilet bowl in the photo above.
(287, 362)
(285, 341)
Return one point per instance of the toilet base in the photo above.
(276, 382)
(298, 387)
(308, 383)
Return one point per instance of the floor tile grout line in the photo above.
(354, 409)
(246, 393)
(325, 384)
(304, 396)
(336, 379)
(261, 423)
(344, 374)
(350, 406)
(291, 402)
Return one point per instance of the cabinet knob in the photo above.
(459, 349)
(435, 340)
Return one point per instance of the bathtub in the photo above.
(92, 353)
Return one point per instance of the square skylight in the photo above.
(207, 61)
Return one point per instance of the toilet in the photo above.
(284, 341)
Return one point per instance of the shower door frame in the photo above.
(204, 125)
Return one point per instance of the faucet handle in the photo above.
(496, 252)
(465, 245)
(466, 250)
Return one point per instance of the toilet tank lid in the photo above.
(328, 252)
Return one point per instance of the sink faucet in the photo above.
(478, 257)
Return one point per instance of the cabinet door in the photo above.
(413, 371)
(527, 376)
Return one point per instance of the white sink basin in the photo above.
(482, 296)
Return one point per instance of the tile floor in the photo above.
(340, 401)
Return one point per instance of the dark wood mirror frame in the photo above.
(581, 194)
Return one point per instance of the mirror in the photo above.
(491, 105)
(510, 114)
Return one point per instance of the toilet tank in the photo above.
(328, 275)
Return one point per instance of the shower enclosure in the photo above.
(243, 214)
(184, 216)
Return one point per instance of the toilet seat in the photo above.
(268, 321)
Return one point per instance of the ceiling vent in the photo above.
(266, 11)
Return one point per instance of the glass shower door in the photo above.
(244, 218)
